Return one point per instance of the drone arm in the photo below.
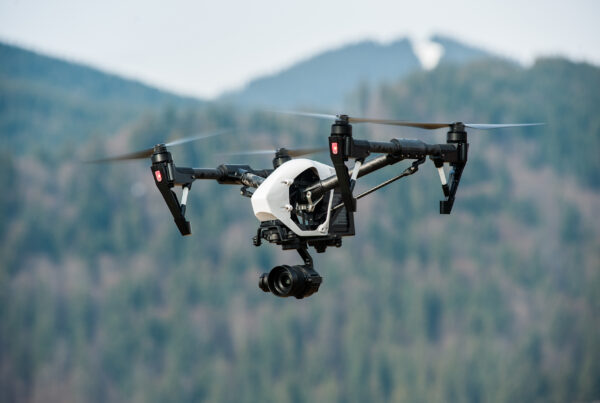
(409, 149)
(224, 174)
(167, 175)
(206, 173)
(325, 185)
(395, 150)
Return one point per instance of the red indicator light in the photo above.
(158, 176)
(334, 148)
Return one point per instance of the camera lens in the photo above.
(291, 281)
(284, 282)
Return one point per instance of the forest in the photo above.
(102, 300)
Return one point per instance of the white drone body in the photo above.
(271, 200)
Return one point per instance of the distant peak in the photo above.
(428, 52)
(457, 52)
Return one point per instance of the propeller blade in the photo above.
(489, 126)
(292, 152)
(147, 153)
(299, 152)
(136, 155)
(196, 137)
(421, 125)
(251, 152)
(429, 126)
(310, 115)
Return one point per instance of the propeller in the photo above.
(147, 153)
(292, 152)
(421, 125)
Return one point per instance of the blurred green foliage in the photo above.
(102, 300)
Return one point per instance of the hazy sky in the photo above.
(202, 48)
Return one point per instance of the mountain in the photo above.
(456, 52)
(102, 300)
(48, 101)
(325, 79)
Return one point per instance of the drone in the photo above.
(302, 203)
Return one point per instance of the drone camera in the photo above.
(291, 281)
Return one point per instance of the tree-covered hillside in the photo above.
(557, 92)
(47, 100)
(102, 300)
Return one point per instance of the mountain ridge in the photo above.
(23, 63)
(326, 79)
(321, 80)
(48, 100)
